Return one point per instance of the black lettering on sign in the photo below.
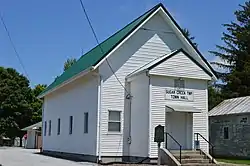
(170, 91)
(189, 93)
(174, 97)
(184, 98)
(179, 92)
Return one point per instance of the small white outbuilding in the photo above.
(33, 140)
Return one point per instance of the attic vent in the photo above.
(179, 83)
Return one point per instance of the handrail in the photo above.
(174, 141)
(209, 143)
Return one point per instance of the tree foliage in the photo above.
(15, 99)
(37, 103)
(69, 63)
(19, 106)
(214, 94)
(235, 55)
(188, 35)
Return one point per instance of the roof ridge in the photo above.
(156, 6)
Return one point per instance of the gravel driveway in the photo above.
(27, 157)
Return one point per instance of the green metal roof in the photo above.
(95, 55)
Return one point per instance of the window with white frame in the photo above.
(226, 132)
(179, 83)
(114, 121)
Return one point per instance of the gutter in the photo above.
(100, 117)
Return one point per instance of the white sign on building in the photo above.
(179, 94)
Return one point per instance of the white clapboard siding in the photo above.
(72, 100)
(143, 47)
(158, 103)
(182, 66)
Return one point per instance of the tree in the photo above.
(235, 55)
(15, 99)
(37, 103)
(188, 35)
(69, 63)
(214, 96)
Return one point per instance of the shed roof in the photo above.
(232, 106)
(32, 127)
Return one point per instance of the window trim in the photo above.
(86, 123)
(58, 126)
(114, 121)
(227, 133)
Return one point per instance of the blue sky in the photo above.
(47, 32)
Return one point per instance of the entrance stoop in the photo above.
(189, 158)
(192, 157)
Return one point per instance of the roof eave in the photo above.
(215, 77)
(81, 74)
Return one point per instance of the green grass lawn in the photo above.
(234, 161)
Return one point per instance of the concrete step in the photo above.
(177, 152)
(189, 156)
(185, 151)
(186, 161)
(199, 164)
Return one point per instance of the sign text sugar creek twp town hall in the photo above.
(184, 95)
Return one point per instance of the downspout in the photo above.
(149, 110)
(100, 117)
(42, 131)
(128, 98)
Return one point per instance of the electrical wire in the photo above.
(14, 47)
(93, 31)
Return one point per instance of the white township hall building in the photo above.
(87, 112)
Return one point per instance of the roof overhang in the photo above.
(186, 41)
(182, 108)
(162, 59)
(81, 74)
(33, 127)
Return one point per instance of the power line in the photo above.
(14, 47)
(93, 31)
